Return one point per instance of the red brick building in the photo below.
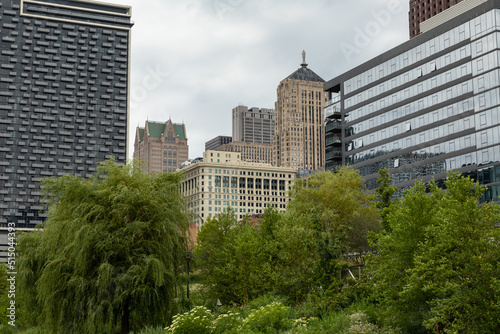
(421, 10)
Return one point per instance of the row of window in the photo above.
(420, 88)
(479, 26)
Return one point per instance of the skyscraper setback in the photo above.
(64, 88)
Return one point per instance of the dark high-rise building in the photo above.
(426, 107)
(64, 83)
(421, 10)
(214, 143)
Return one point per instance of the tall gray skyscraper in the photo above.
(64, 88)
(253, 125)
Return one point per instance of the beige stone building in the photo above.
(250, 152)
(299, 136)
(222, 180)
(162, 146)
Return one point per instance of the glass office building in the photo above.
(64, 82)
(426, 107)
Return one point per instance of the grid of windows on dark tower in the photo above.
(63, 104)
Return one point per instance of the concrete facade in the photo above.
(214, 143)
(448, 14)
(254, 125)
(222, 180)
(250, 152)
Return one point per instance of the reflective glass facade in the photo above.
(64, 82)
(426, 107)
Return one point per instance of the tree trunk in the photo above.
(126, 319)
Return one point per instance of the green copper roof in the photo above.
(141, 134)
(179, 130)
(156, 129)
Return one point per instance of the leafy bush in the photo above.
(152, 330)
(332, 323)
(359, 323)
(6, 329)
(268, 319)
(196, 321)
(267, 299)
(226, 323)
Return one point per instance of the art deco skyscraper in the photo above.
(299, 135)
(64, 88)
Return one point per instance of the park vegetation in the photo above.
(113, 257)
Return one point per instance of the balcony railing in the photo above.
(332, 110)
(333, 154)
(333, 140)
(333, 126)
(334, 100)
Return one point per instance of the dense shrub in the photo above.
(196, 321)
(226, 323)
(268, 319)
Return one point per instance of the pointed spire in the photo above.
(304, 64)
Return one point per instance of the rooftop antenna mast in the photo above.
(304, 64)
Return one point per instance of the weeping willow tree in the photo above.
(108, 255)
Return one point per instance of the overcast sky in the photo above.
(193, 61)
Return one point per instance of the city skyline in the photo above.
(214, 55)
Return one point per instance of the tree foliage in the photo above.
(329, 216)
(231, 258)
(385, 192)
(441, 260)
(109, 252)
(340, 207)
(291, 254)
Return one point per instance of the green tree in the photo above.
(297, 264)
(442, 258)
(109, 252)
(232, 259)
(329, 215)
(385, 192)
(340, 204)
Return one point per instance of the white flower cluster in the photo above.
(265, 313)
(359, 323)
(226, 321)
(198, 317)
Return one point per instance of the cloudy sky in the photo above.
(195, 60)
